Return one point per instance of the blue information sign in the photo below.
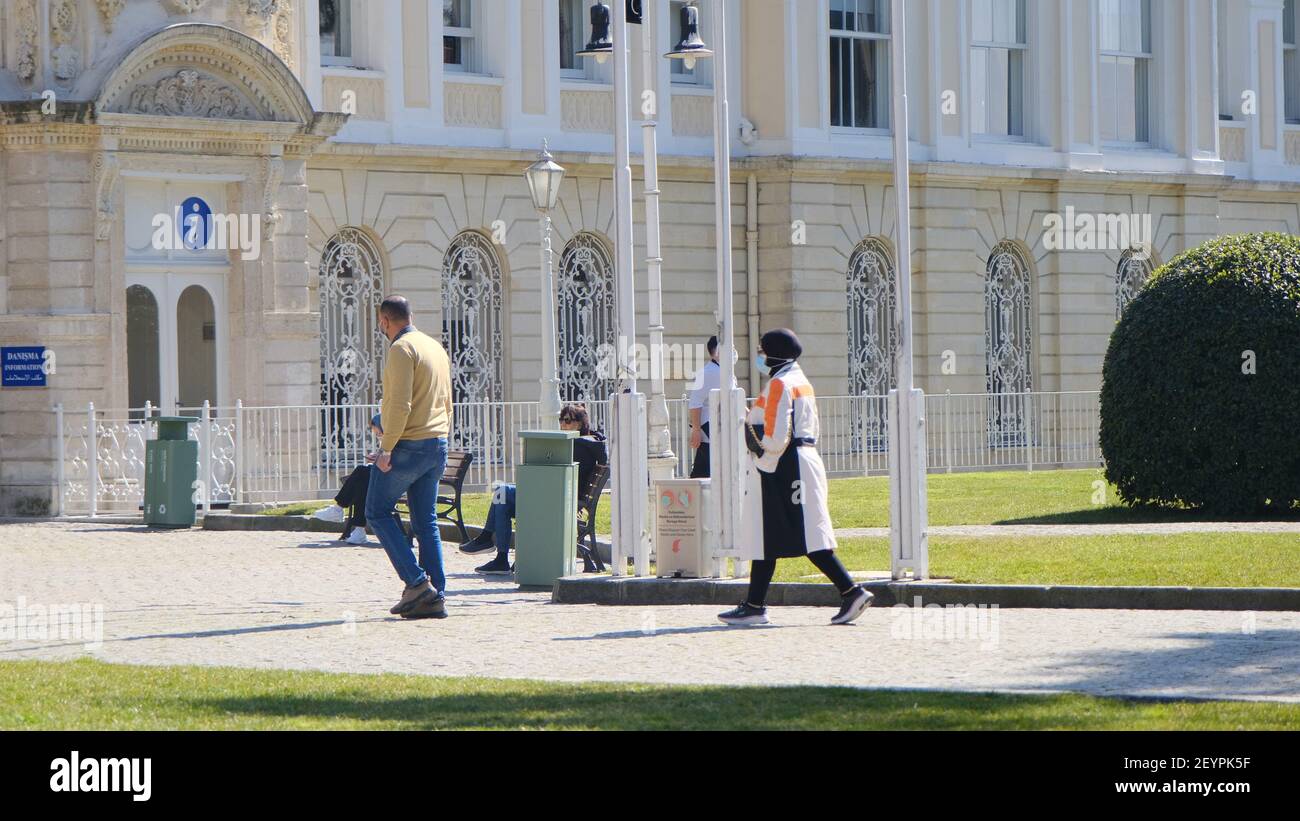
(22, 367)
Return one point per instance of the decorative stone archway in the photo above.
(199, 100)
(206, 71)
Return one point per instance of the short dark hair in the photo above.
(713, 345)
(395, 308)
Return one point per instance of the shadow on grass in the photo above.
(1144, 514)
(570, 707)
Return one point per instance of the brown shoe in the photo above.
(413, 595)
(434, 608)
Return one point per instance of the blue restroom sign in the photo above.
(22, 367)
(195, 223)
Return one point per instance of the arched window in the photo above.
(1008, 340)
(873, 341)
(1134, 270)
(471, 318)
(585, 320)
(351, 346)
(873, 308)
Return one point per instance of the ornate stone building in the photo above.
(349, 155)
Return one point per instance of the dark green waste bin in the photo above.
(546, 508)
(170, 471)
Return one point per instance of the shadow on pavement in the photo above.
(1265, 664)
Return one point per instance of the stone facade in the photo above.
(235, 97)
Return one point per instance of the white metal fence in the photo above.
(290, 453)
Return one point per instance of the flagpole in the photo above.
(909, 549)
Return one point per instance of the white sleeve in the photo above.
(776, 425)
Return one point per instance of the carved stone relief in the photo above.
(27, 30)
(189, 93)
(110, 9)
(65, 49)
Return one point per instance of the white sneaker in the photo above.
(357, 536)
(333, 513)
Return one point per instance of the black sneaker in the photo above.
(852, 604)
(500, 566)
(746, 614)
(480, 544)
(432, 608)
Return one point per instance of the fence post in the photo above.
(92, 460)
(947, 429)
(1029, 443)
(61, 456)
(239, 451)
(205, 462)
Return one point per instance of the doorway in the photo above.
(175, 331)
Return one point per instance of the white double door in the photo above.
(176, 340)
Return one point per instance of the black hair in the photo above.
(395, 309)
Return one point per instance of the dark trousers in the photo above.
(700, 467)
(352, 498)
(761, 572)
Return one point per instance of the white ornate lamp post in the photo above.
(725, 420)
(544, 178)
(629, 469)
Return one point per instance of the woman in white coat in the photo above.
(784, 513)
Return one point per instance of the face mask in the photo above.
(761, 362)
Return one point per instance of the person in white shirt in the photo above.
(708, 379)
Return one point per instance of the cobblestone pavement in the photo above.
(1140, 529)
(287, 600)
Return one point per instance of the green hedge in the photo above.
(1182, 424)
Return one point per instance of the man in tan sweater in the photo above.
(416, 415)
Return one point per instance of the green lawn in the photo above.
(88, 694)
(1190, 559)
(1011, 497)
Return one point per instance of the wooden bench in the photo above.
(448, 505)
(588, 501)
(453, 478)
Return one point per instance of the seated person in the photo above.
(588, 451)
(349, 506)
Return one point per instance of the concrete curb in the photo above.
(634, 592)
(307, 524)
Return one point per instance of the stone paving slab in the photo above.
(294, 601)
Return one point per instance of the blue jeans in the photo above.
(500, 518)
(416, 468)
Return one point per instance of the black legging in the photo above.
(762, 570)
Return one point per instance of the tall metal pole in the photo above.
(725, 445)
(660, 441)
(630, 472)
(550, 387)
(907, 490)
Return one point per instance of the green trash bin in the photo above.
(170, 471)
(546, 508)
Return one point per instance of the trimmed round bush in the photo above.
(1200, 398)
